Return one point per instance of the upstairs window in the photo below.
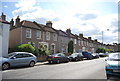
(79, 42)
(28, 33)
(75, 41)
(54, 36)
(47, 35)
(38, 34)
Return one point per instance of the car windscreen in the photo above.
(74, 54)
(11, 54)
(55, 54)
(114, 57)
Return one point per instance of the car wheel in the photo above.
(5, 66)
(32, 63)
(67, 60)
(50, 62)
(76, 59)
(81, 59)
(58, 61)
(108, 76)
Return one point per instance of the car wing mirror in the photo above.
(12, 57)
(105, 59)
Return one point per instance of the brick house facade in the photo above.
(54, 40)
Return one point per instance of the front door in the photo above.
(53, 48)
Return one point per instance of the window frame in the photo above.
(47, 35)
(28, 33)
(38, 32)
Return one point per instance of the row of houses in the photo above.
(22, 32)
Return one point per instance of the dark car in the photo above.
(57, 58)
(95, 55)
(102, 55)
(76, 57)
(87, 55)
(18, 59)
(113, 65)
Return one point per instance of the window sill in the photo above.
(28, 37)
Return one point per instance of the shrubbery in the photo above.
(29, 48)
(24, 48)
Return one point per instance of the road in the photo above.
(87, 69)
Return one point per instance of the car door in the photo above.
(17, 60)
(63, 57)
(26, 59)
(60, 57)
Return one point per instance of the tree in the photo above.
(70, 47)
(100, 50)
(24, 48)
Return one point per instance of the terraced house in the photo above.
(31, 32)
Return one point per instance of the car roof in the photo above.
(21, 52)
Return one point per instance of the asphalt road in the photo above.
(87, 69)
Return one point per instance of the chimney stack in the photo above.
(89, 38)
(17, 22)
(11, 23)
(96, 40)
(49, 23)
(3, 17)
(80, 35)
(68, 31)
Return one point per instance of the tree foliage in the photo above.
(43, 50)
(70, 47)
(24, 48)
(108, 50)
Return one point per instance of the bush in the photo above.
(24, 48)
(43, 51)
(36, 52)
(100, 50)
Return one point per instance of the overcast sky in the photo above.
(89, 17)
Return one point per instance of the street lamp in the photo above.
(102, 35)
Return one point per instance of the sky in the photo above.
(89, 17)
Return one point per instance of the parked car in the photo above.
(57, 58)
(113, 65)
(102, 55)
(76, 57)
(16, 59)
(87, 55)
(95, 55)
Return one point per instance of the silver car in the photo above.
(16, 59)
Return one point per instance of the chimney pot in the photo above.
(17, 22)
(3, 17)
(89, 38)
(49, 23)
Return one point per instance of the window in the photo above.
(47, 35)
(79, 42)
(54, 36)
(19, 56)
(82, 43)
(27, 55)
(28, 33)
(38, 34)
(75, 41)
(71, 38)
